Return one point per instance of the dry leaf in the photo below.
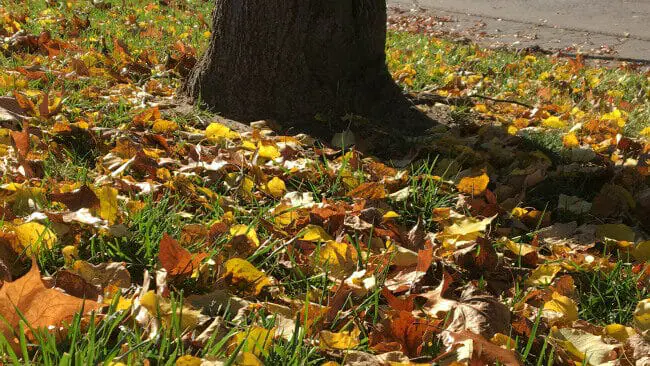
(177, 260)
(474, 185)
(40, 306)
(242, 275)
(339, 341)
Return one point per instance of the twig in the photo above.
(428, 98)
(496, 100)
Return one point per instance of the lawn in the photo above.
(136, 232)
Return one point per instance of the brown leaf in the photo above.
(177, 260)
(479, 313)
(20, 140)
(403, 329)
(80, 67)
(415, 237)
(83, 197)
(369, 191)
(478, 258)
(40, 306)
(74, 285)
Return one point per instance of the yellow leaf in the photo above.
(619, 332)
(504, 341)
(520, 249)
(315, 233)
(553, 122)
(645, 132)
(617, 116)
(217, 132)
(390, 215)
(276, 187)
(570, 140)
(464, 230)
(32, 237)
(642, 251)
(543, 275)
(70, 254)
(642, 315)
(561, 309)
(164, 126)
(618, 232)
(247, 359)
(241, 274)
(468, 225)
(475, 186)
(108, 208)
(588, 348)
(268, 151)
(247, 231)
(284, 215)
(339, 258)
(188, 360)
(167, 313)
(258, 340)
(339, 341)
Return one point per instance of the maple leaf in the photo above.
(41, 307)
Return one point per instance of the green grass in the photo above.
(610, 297)
(425, 193)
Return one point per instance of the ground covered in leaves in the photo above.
(136, 232)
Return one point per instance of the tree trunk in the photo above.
(290, 60)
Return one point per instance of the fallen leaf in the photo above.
(468, 348)
(642, 315)
(84, 197)
(369, 191)
(158, 306)
(216, 132)
(40, 306)
(338, 258)
(108, 208)
(255, 339)
(242, 275)
(339, 341)
(31, 237)
(474, 185)
(560, 309)
(275, 187)
(585, 347)
(315, 233)
(543, 275)
(619, 332)
(103, 274)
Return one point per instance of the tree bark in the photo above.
(290, 60)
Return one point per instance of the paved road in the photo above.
(592, 26)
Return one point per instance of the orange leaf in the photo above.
(21, 141)
(41, 307)
(176, 259)
(475, 185)
(369, 191)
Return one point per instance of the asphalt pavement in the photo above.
(603, 28)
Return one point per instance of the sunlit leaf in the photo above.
(242, 275)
